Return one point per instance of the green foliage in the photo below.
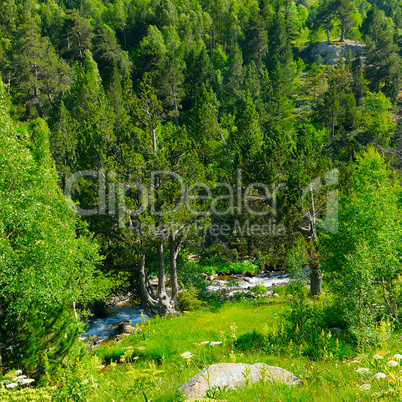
(28, 394)
(259, 290)
(188, 299)
(42, 278)
(369, 228)
(251, 341)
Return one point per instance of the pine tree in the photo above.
(280, 66)
(234, 76)
(171, 76)
(88, 105)
(247, 138)
(37, 74)
(383, 65)
(104, 47)
(76, 37)
(203, 128)
(147, 110)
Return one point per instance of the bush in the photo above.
(259, 290)
(251, 341)
(188, 299)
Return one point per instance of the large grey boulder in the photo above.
(234, 375)
(331, 53)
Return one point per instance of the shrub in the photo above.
(259, 290)
(188, 299)
(251, 341)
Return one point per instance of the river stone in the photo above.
(124, 327)
(232, 375)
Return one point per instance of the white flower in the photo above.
(378, 376)
(186, 355)
(392, 363)
(27, 381)
(21, 377)
(365, 387)
(355, 361)
(363, 370)
(141, 348)
(18, 372)
(202, 343)
(377, 356)
(12, 385)
(397, 356)
(215, 343)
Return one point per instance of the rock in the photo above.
(245, 279)
(124, 327)
(275, 295)
(233, 375)
(93, 342)
(335, 331)
(331, 53)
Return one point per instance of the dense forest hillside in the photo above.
(194, 134)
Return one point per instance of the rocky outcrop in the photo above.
(234, 375)
(332, 52)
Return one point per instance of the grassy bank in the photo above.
(149, 365)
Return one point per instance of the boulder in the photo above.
(123, 327)
(233, 375)
(331, 53)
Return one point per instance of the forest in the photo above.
(157, 150)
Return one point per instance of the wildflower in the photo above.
(216, 343)
(392, 363)
(186, 355)
(363, 370)
(378, 376)
(18, 372)
(365, 387)
(12, 385)
(141, 348)
(21, 377)
(377, 356)
(201, 343)
(355, 361)
(397, 356)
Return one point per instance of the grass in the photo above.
(151, 365)
(148, 365)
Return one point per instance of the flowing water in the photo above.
(243, 284)
(105, 327)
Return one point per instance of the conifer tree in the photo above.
(37, 74)
(204, 128)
